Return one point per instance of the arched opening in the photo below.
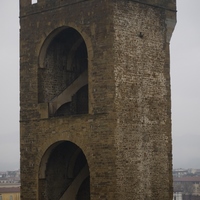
(63, 73)
(64, 173)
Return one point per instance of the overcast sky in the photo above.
(185, 82)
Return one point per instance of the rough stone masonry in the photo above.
(95, 117)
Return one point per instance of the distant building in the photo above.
(180, 172)
(196, 172)
(10, 185)
(10, 178)
(10, 193)
(177, 196)
(191, 197)
(3, 174)
(187, 188)
(187, 185)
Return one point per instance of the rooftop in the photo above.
(10, 190)
(187, 179)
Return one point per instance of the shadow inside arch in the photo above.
(64, 173)
(63, 73)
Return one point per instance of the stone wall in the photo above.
(126, 134)
(142, 101)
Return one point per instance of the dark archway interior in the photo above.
(66, 175)
(84, 193)
(64, 62)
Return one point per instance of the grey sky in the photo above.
(9, 85)
(185, 81)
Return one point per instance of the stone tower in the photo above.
(95, 118)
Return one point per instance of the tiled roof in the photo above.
(9, 189)
(187, 179)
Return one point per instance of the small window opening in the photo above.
(34, 1)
